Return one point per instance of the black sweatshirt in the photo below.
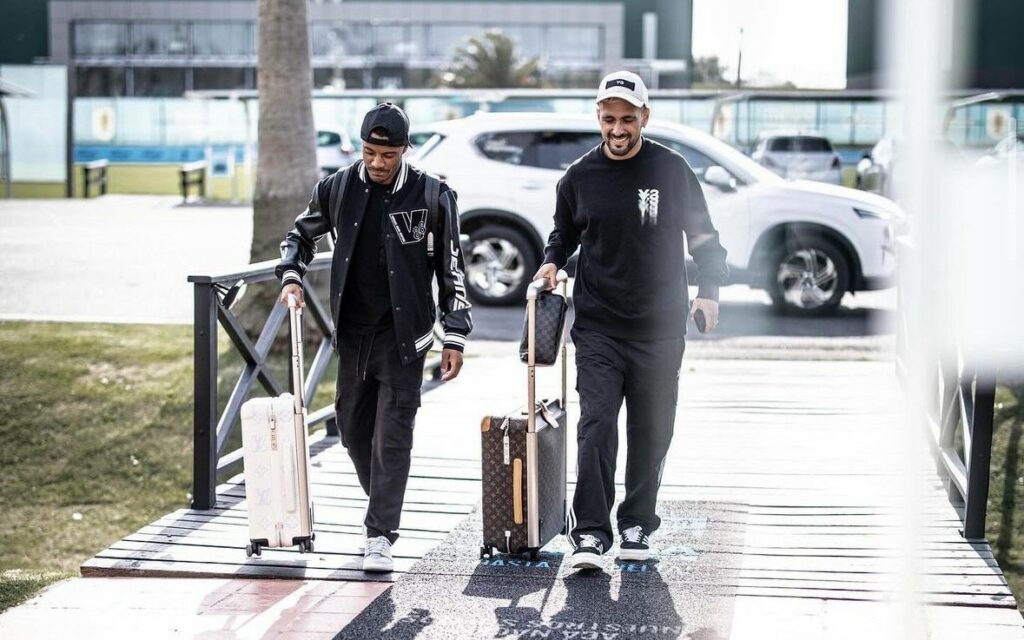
(628, 217)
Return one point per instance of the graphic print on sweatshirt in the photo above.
(410, 225)
(648, 205)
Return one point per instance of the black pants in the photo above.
(376, 406)
(646, 375)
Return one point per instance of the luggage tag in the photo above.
(546, 414)
(505, 442)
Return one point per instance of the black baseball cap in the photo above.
(392, 120)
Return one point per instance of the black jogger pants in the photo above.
(376, 403)
(646, 375)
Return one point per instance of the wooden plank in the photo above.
(101, 566)
(326, 543)
(230, 522)
(280, 558)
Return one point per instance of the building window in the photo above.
(574, 43)
(213, 78)
(392, 41)
(223, 39)
(446, 38)
(160, 39)
(100, 82)
(101, 39)
(158, 82)
(341, 40)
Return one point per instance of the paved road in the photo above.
(744, 312)
(126, 259)
(115, 258)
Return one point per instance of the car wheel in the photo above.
(808, 279)
(499, 264)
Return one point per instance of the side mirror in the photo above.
(719, 177)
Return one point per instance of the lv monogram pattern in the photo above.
(551, 312)
(497, 508)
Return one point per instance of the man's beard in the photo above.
(633, 141)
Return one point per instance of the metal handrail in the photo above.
(214, 296)
(966, 399)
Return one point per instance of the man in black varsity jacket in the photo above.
(395, 228)
(627, 205)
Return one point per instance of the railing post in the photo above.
(980, 460)
(204, 421)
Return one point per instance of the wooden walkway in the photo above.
(810, 490)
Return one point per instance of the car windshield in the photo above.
(733, 161)
(327, 139)
(800, 144)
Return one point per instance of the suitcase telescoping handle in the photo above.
(301, 475)
(532, 454)
(298, 368)
(535, 288)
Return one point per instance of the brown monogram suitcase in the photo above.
(523, 461)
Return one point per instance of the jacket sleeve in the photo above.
(450, 268)
(702, 238)
(565, 236)
(299, 245)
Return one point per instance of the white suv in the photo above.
(807, 243)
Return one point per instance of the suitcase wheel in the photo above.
(305, 546)
(485, 552)
(252, 549)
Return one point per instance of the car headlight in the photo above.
(873, 213)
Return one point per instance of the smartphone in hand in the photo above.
(700, 320)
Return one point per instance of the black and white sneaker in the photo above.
(588, 553)
(635, 544)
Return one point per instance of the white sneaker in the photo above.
(377, 557)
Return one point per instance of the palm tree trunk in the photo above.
(286, 163)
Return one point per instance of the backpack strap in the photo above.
(433, 194)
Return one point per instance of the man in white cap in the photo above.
(627, 205)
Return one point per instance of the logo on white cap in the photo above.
(623, 85)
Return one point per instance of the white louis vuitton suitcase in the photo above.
(277, 461)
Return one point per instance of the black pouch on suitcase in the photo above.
(552, 310)
(523, 459)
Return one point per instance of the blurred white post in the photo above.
(963, 285)
(912, 50)
(650, 45)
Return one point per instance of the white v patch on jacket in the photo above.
(410, 225)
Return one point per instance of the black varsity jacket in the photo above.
(405, 243)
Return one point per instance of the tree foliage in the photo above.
(491, 62)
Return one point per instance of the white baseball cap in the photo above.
(625, 85)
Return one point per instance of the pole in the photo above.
(739, 59)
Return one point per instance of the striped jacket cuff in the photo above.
(455, 341)
(290, 277)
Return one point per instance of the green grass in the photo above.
(1005, 524)
(97, 434)
(17, 586)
